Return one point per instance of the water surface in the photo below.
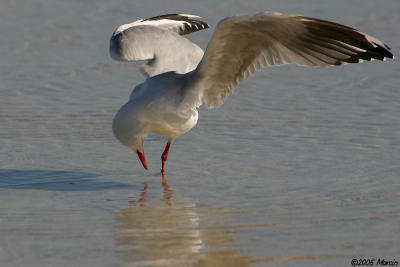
(299, 167)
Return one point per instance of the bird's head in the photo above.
(131, 132)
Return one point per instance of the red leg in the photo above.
(164, 156)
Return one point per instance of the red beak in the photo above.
(142, 159)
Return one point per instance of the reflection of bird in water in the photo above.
(143, 197)
(181, 77)
(170, 233)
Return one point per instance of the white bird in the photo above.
(180, 77)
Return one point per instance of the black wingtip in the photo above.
(192, 24)
(359, 46)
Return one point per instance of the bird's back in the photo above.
(165, 103)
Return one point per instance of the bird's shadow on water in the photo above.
(54, 180)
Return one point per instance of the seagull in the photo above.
(180, 77)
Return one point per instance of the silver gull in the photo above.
(180, 77)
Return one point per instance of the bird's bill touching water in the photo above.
(142, 159)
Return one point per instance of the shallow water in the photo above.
(299, 167)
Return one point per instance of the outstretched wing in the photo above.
(158, 40)
(241, 45)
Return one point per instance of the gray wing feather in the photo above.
(158, 41)
(242, 45)
(164, 50)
